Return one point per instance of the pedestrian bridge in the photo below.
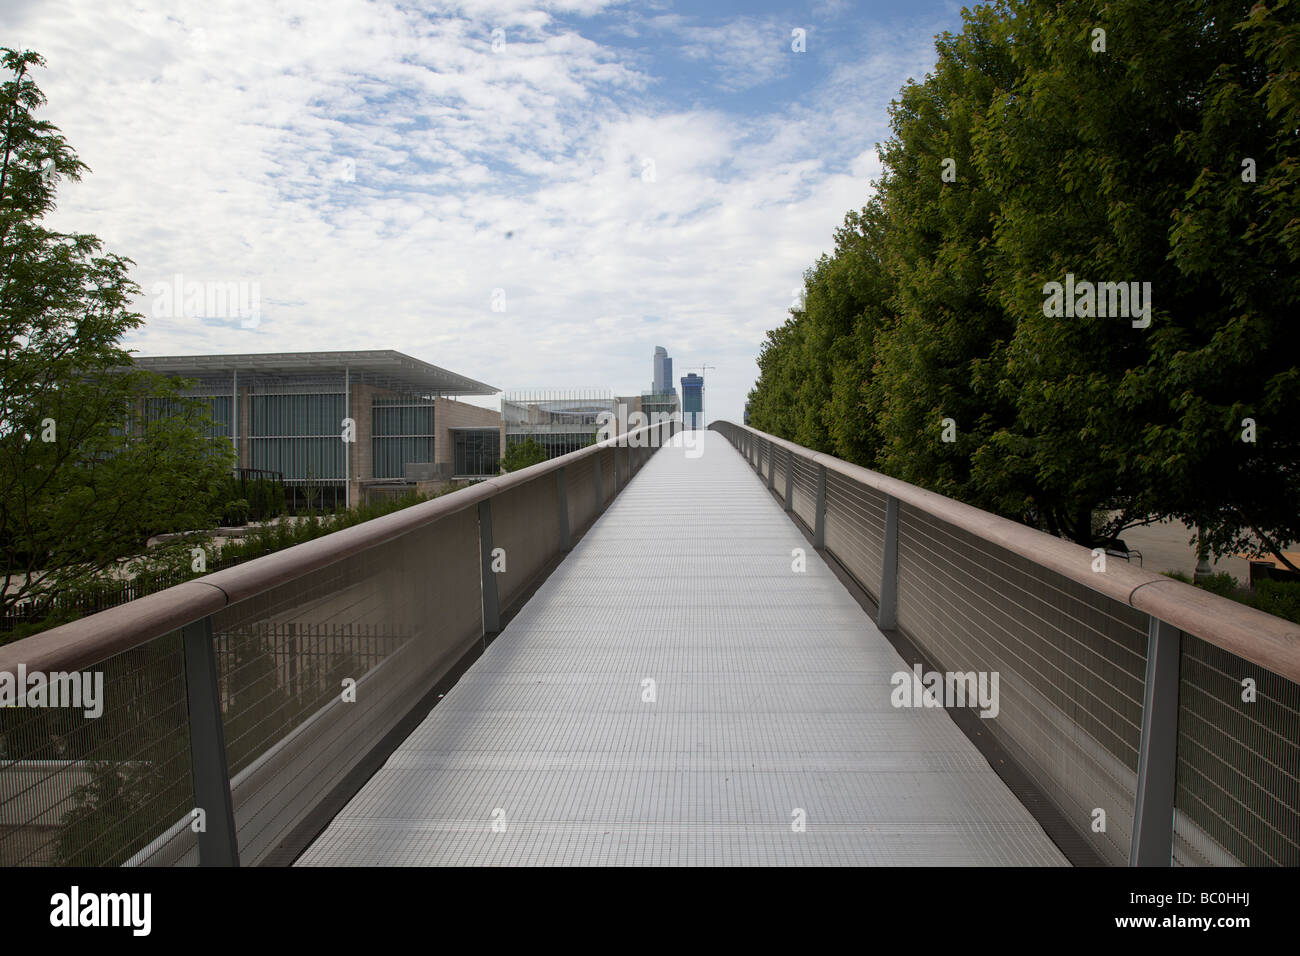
(672, 648)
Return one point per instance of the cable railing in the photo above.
(214, 720)
(1162, 721)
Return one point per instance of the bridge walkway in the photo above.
(676, 694)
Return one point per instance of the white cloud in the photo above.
(363, 161)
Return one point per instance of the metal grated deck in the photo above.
(771, 695)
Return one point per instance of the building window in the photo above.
(555, 443)
(299, 436)
(402, 434)
(476, 451)
(220, 413)
(156, 409)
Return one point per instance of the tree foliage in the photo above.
(1118, 142)
(95, 455)
(522, 454)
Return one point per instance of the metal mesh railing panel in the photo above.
(79, 790)
(855, 529)
(805, 490)
(526, 526)
(1071, 665)
(581, 492)
(1238, 780)
(391, 619)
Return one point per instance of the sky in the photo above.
(530, 194)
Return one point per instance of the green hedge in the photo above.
(1279, 598)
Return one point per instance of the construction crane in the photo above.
(701, 368)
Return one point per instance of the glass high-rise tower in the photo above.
(663, 372)
(693, 401)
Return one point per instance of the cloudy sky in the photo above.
(529, 193)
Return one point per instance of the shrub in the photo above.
(1280, 598)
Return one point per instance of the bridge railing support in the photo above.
(819, 525)
(887, 618)
(218, 844)
(491, 602)
(1153, 816)
(789, 481)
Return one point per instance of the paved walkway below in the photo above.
(675, 694)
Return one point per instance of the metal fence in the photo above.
(1161, 720)
(213, 718)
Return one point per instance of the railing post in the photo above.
(789, 480)
(1153, 813)
(771, 464)
(292, 655)
(218, 843)
(562, 499)
(618, 469)
(600, 485)
(888, 616)
(819, 521)
(491, 607)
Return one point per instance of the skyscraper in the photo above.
(663, 372)
(693, 401)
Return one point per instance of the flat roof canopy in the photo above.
(383, 368)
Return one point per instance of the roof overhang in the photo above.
(382, 368)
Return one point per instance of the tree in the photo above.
(1125, 166)
(522, 454)
(941, 358)
(1114, 143)
(95, 455)
(1231, 450)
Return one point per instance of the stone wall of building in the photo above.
(361, 455)
(449, 414)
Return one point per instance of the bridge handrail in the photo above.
(250, 667)
(1269, 641)
(1126, 692)
(88, 640)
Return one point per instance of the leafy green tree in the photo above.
(1124, 165)
(941, 360)
(774, 398)
(1233, 367)
(95, 455)
(522, 454)
(1118, 142)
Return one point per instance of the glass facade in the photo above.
(555, 443)
(220, 412)
(285, 413)
(402, 433)
(560, 420)
(154, 409)
(476, 451)
(664, 406)
(299, 435)
(663, 372)
(693, 401)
